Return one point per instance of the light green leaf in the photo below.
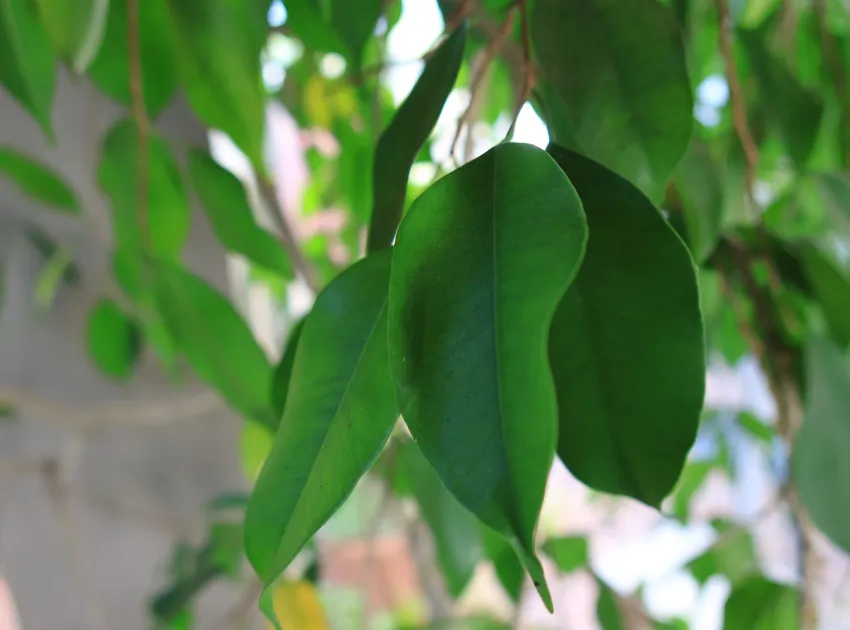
(831, 289)
(756, 428)
(115, 340)
(457, 533)
(794, 111)
(38, 181)
(75, 28)
(607, 609)
(308, 23)
(733, 556)
(569, 553)
(167, 215)
(27, 66)
(226, 202)
(219, 44)
(480, 263)
(699, 184)
(216, 341)
(759, 604)
(400, 142)
(339, 413)
(620, 70)
(508, 568)
(283, 371)
(626, 345)
(110, 69)
(693, 476)
(820, 465)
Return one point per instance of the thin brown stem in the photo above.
(529, 74)
(140, 116)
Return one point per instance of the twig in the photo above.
(736, 94)
(528, 66)
(113, 415)
(485, 60)
(140, 116)
(287, 236)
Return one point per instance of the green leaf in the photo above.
(457, 534)
(756, 428)
(75, 28)
(355, 23)
(831, 288)
(110, 70)
(27, 66)
(219, 45)
(38, 181)
(607, 609)
(216, 341)
(167, 215)
(480, 262)
(508, 568)
(794, 111)
(226, 203)
(733, 556)
(569, 553)
(400, 142)
(620, 70)
(338, 416)
(114, 340)
(693, 476)
(759, 604)
(283, 371)
(820, 465)
(626, 345)
(700, 186)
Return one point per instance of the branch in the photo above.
(268, 192)
(140, 116)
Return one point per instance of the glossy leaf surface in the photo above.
(626, 345)
(401, 141)
(27, 67)
(338, 416)
(38, 181)
(226, 203)
(626, 93)
(480, 263)
(216, 341)
(820, 465)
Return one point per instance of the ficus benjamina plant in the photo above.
(530, 303)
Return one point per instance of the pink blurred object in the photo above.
(8, 612)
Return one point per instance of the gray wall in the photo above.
(135, 489)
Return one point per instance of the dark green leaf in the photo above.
(831, 289)
(355, 23)
(114, 340)
(110, 69)
(399, 144)
(216, 341)
(167, 215)
(626, 344)
(338, 416)
(607, 609)
(219, 45)
(700, 187)
(27, 66)
(226, 203)
(569, 553)
(820, 464)
(627, 93)
(38, 181)
(481, 260)
(283, 372)
(75, 27)
(457, 534)
(795, 111)
(759, 604)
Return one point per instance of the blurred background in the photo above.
(111, 491)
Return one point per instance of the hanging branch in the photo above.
(140, 116)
